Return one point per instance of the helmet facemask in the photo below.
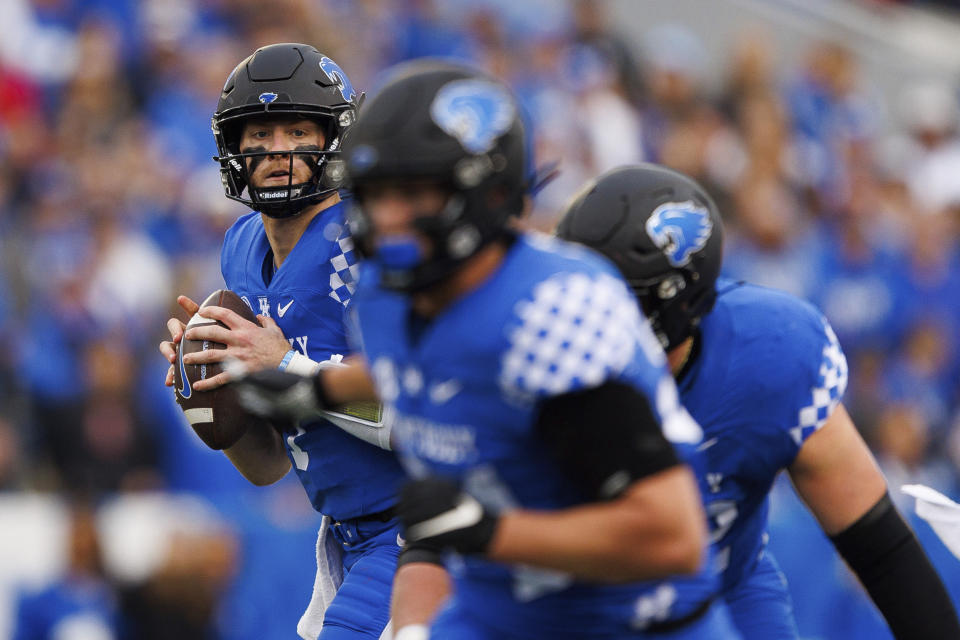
(673, 304)
(284, 200)
(454, 234)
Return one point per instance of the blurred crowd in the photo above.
(110, 205)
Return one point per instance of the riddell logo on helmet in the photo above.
(274, 195)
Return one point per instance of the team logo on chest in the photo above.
(679, 229)
(264, 305)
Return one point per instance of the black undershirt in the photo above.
(269, 269)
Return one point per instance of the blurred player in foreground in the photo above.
(763, 374)
(279, 126)
(527, 396)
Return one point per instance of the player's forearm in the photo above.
(419, 590)
(260, 455)
(348, 383)
(655, 529)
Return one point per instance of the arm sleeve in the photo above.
(377, 434)
(605, 437)
(887, 557)
(363, 420)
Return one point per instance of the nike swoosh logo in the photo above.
(400, 540)
(186, 390)
(707, 444)
(282, 310)
(467, 513)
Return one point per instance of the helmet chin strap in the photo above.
(276, 203)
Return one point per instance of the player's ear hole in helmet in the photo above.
(293, 81)
(663, 232)
(457, 129)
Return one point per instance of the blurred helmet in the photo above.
(663, 232)
(278, 80)
(446, 124)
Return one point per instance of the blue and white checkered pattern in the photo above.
(343, 279)
(576, 332)
(831, 385)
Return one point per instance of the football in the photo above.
(215, 415)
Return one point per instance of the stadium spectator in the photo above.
(83, 603)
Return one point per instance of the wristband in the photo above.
(287, 357)
(302, 365)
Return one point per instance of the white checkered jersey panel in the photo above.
(577, 331)
(829, 390)
(343, 278)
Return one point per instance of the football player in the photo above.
(279, 126)
(764, 376)
(527, 397)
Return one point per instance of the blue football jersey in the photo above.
(462, 393)
(344, 477)
(769, 373)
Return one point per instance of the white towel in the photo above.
(328, 580)
(941, 512)
(388, 631)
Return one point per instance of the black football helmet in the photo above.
(663, 232)
(285, 79)
(452, 125)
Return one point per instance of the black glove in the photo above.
(280, 396)
(436, 511)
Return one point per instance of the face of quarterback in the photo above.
(280, 134)
(393, 206)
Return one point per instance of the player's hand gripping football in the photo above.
(254, 346)
(279, 396)
(176, 328)
(436, 511)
